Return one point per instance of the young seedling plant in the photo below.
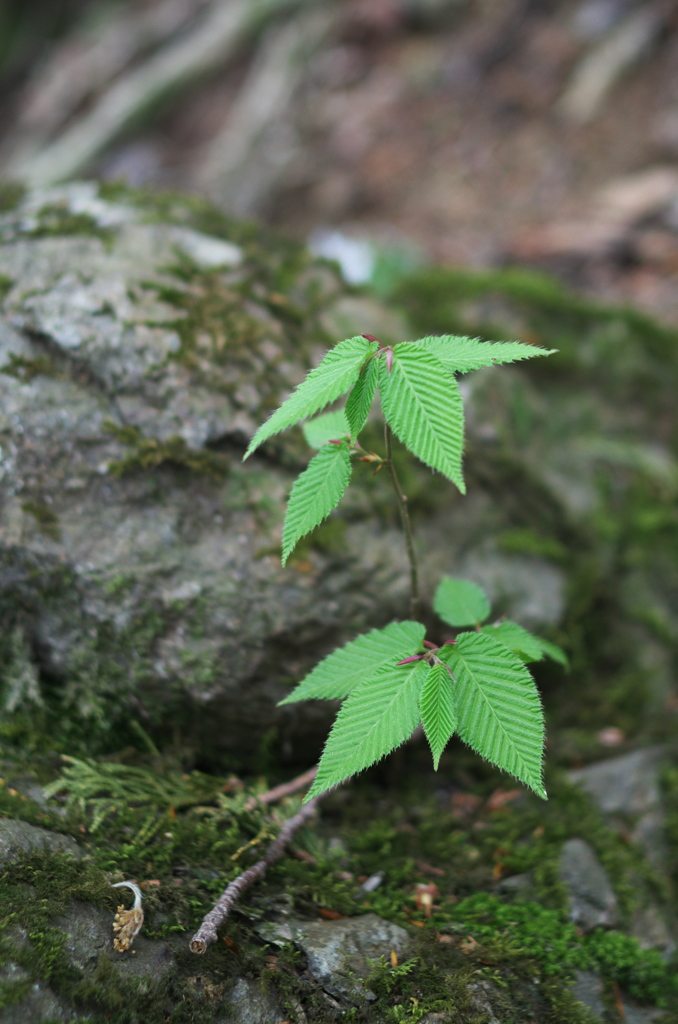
(393, 679)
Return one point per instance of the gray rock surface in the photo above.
(481, 1000)
(591, 898)
(339, 952)
(648, 924)
(90, 935)
(38, 1004)
(635, 1014)
(626, 789)
(250, 1004)
(161, 584)
(19, 837)
(588, 989)
(628, 784)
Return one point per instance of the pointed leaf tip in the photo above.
(437, 706)
(317, 491)
(500, 713)
(380, 714)
(340, 672)
(336, 374)
(423, 407)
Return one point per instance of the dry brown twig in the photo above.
(285, 789)
(207, 932)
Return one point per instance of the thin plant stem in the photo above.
(407, 525)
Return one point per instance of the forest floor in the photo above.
(478, 133)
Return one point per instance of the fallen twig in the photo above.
(285, 789)
(207, 932)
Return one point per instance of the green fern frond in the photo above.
(438, 710)
(336, 374)
(380, 714)
(500, 713)
(460, 355)
(315, 493)
(108, 787)
(423, 407)
(340, 672)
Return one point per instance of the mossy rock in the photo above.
(144, 336)
(142, 340)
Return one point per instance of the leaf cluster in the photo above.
(420, 400)
(393, 680)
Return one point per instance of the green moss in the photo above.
(530, 542)
(26, 369)
(149, 453)
(45, 517)
(525, 928)
(57, 220)
(84, 709)
(452, 300)
(194, 834)
(12, 992)
(5, 286)
(38, 888)
(669, 783)
(35, 888)
(277, 256)
(11, 194)
(214, 323)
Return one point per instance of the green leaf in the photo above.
(339, 673)
(460, 355)
(360, 400)
(526, 645)
(553, 651)
(423, 407)
(500, 713)
(316, 492)
(330, 426)
(516, 639)
(335, 375)
(438, 711)
(460, 602)
(380, 714)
